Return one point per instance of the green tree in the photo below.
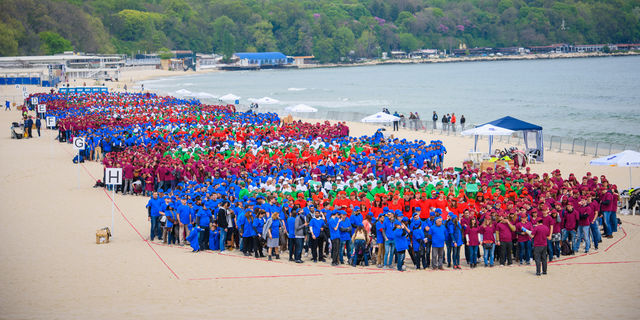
(324, 50)
(8, 40)
(343, 40)
(408, 42)
(263, 36)
(223, 38)
(165, 53)
(53, 43)
(367, 45)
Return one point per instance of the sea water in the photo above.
(593, 98)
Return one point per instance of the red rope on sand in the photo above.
(631, 223)
(613, 244)
(601, 262)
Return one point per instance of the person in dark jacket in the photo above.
(300, 226)
(223, 224)
(38, 125)
(435, 119)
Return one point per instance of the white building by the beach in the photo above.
(64, 66)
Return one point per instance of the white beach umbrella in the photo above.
(229, 97)
(301, 108)
(380, 117)
(183, 92)
(627, 158)
(486, 130)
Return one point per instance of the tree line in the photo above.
(331, 30)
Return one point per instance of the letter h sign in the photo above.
(113, 176)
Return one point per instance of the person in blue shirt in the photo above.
(317, 236)
(334, 232)
(258, 225)
(184, 217)
(345, 236)
(380, 239)
(455, 234)
(389, 244)
(171, 220)
(273, 226)
(245, 223)
(193, 237)
(214, 237)
(291, 233)
(203, 217)
(401, 233)
(438, 233)
(448, 242)
(418, 245)
(240, 217)
(153, 208)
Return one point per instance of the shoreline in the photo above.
(545, 56)
(378, 62)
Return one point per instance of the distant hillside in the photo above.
(328, 29)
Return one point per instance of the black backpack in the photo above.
(565, 248)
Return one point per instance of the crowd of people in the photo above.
(413, 121)
(221, 180)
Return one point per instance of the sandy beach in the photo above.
(52, 268)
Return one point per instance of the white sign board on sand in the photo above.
(78, 143)
(42, 108)
(51, 121)
(113, 176)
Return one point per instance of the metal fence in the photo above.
(551, 142)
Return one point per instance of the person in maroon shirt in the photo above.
(127, 172)
(556, 234)
(569, 225)
(585, 216)
(488, 240)
(540, 236)
(503, 230)
(609, 205)
(524, 242)
(472, 240)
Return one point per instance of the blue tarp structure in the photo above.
(263, 58)
(83, 90)
(514, 124)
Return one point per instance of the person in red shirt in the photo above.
(425, 207)
(441, 203)
(540, 235)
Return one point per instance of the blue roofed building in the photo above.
(260, 60)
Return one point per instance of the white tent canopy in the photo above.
(301, 108)
(380, 117)
(486, 130)
(627, 158)
(265, 100)
(229, 97)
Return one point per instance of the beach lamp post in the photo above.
(78, 144)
